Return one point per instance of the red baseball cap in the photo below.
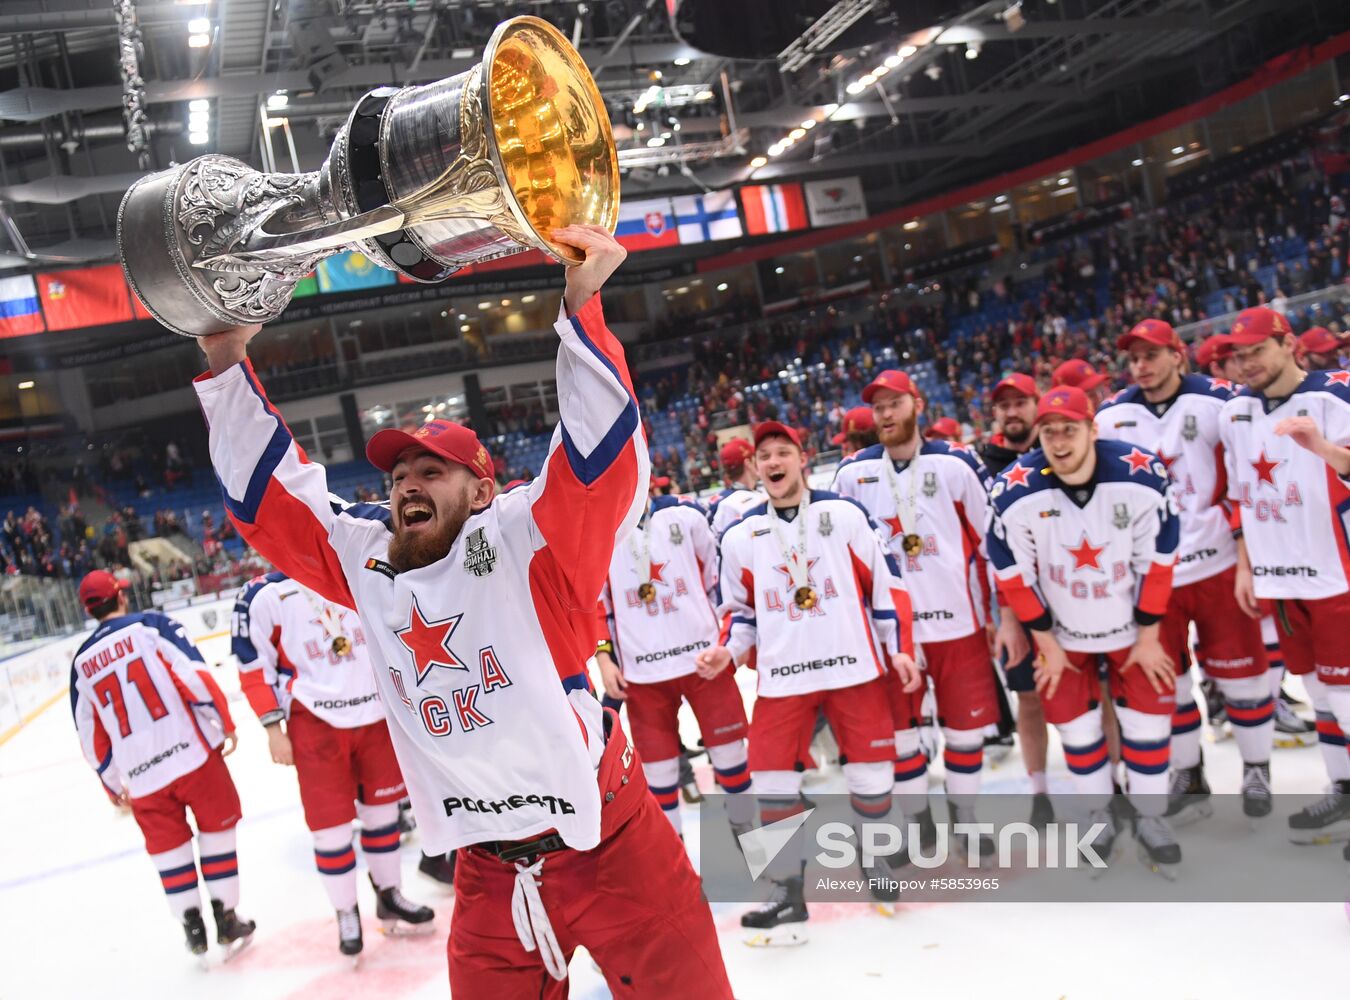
(735, 452)
(1211, 349)
(1017, 382)
(1257, 324)
(944, 429)
(1319, 340)
(896, 381)
(1068, 401)
(99, 586)
(858, 420)
(660, 482)
(1150, 331)
(446, 438)
(770, 428)
(1079, 374)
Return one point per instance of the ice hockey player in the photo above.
(481, 612)
(658, 612)
(805, 579)
(1286, 440)
(149, 725)
(1176, 415)
(741, 492)
(1083, 538)
(304, 665)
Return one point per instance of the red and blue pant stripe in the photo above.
(337, 862)
(180, 879)
(1251, 713)
(963, 761)
(219, 866)
(1145, 757)
(1086, 759)
(772, 810)
(667, 796)
(1186, 719)
(913, 766)
(733, 779)
(1328, 731)
(381, 840)
(870, 806)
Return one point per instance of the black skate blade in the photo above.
(782, 936)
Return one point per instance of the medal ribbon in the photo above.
(908, 510)
(799, 567)
(642, 558)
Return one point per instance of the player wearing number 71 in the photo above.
(155, 727)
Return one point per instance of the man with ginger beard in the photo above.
(1319, 350)
(481, 611)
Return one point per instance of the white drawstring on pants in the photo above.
(531, 920)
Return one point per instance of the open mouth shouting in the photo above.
(414, 514)
(777, 476)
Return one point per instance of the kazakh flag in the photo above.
(351, 272)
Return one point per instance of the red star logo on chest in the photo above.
(1167, 459)
(958, 446)
(1017, 475)
(1338, 378)
(1221, 383)
(1137, 460)
(1086, 555)
(810, 565)
(429, 642)
(893, 522)
(1265, 470)
(655, 572)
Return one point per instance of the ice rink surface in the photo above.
(84, 916)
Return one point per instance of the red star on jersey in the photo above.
(893, 522)
(1137, 460)
(810, 565)
(1265, 470)
(1338, 378)
(1167, 459)
(958, 446)
(1017, 475)
(1221, 383)
(429, 642)
(1086, 555)
(656, 569)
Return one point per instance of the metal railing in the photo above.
(1322, 307)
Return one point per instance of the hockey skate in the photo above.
(1104, 845)
(399, 916)
(350, 941)
(439, 868)
(1158, 849)
(1326, 821)
(1291, 730)
(1216, 711)
(1188, 797)
(1256, 796)
(781, 920)
(1042, 810)
(963, 812)
(232, 933)
(195, 929)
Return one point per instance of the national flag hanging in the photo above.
(647, 225)
(773, 208)
(20, 313)
(306, 286)
(352, 271)
(90, 296)
(703, 217)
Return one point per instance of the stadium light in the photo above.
(278, 100)
(809, 123)
(527, 299)
(199, 41)
(655, 141)
(758, 162)
(198, 138)
(1136, 162)
(796, 134)
(200, 104)
(722, 287)
(1178, 150)
(856, 87)
(683, 61)
(972, 50)
(199, 25)
(895, 60)
(905, 51)
(198, 121)
(27, 384)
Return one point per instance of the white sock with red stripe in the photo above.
(731, 766)
(1185, 725)
(1330, 733)
(380, 841)
(1251, 710)
(220, 866)
(963, 759)
(663, 778)
(1086, 755)
(779, 795)
(178, 876)
(1338, 704)
(1144, 745)
(910, 774)
(335, 858)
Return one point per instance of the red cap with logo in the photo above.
(944, 429)
(1016, 382)
(1150, 331)
(896, 381)
(99, 587)
(1211, 349)
(450, 440)
(660, 482)
(1257, 324)
(1067, 401)
(734, 453)
(772, 428)
(1079, 374)
(858, 420)
(1319, 340)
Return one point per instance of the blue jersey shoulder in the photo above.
(668, 502)
(1203, 385)
(958, 451)
(1130, 394)
(1337, 383)
(1020, 479)
(1122, 462)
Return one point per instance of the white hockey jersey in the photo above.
(1295, 509)
(292, 644)
(672, 549)
(943, 493)
(861, 612)
(1089, 561)
(481, 656)
(143, 713)
(1184, 433)
(727, 506)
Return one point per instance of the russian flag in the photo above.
(773, 208)
(704, 217)
(647, 225)
(20, 313)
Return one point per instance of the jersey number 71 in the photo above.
(109, 690)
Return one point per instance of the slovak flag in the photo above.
(20, 312)
(646, 225)
(704, 217)
(773, 208)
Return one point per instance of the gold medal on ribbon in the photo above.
(912, 545)
(341, 645)
(647, 592)
(805, 598)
